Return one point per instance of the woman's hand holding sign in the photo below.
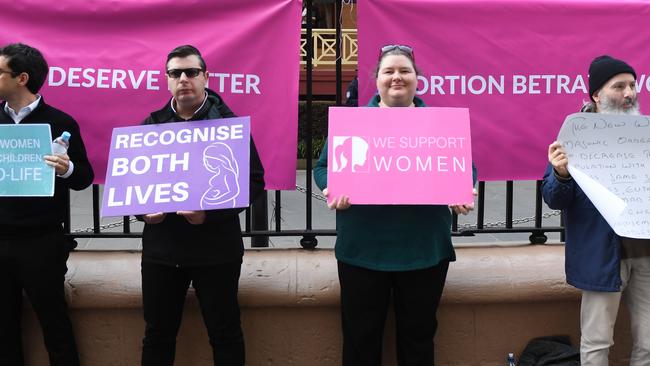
(464, 208)
(339, 203)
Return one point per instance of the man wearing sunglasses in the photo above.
(204, 248)
(33, 249)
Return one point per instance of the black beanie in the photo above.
(602, 69)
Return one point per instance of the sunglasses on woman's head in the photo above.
(190, 73)
(391, 47)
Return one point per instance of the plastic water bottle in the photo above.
(61, 143)
(511, 360)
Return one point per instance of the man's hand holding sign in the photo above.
(154, 218)
(557, 158)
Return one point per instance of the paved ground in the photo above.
(293, 217)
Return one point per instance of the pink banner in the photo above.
(376, 158)
(107, 63)
(519, 66)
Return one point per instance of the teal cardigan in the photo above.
(390, 237)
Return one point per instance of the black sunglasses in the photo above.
(190, 72)
(401, 47)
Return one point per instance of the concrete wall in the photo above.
(495, 300)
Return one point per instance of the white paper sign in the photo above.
(609, 158)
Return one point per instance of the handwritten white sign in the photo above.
(609, 158)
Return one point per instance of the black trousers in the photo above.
(163, 295)
(35, 263)
(365, 297)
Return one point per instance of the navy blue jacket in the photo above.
(593, 250)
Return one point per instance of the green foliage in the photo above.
(316, 147)
(318, 126)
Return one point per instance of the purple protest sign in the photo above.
(198, 165)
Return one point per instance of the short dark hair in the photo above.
(184, 51)
(22, 58)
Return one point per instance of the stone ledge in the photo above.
(297, 277)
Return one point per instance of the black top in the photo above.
(176, 242)
(31, 214)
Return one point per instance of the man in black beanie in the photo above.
(605, 266)
(612, 87)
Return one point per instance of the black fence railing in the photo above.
(256, 218)
(256, 223)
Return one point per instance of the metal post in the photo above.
(278, 211)
(538, 236)
(260, 220)
(96, 224)
(454, 222)
(509, 204)
(126, 223)
(339, 70)
(480, 213)
(309, 241)
(247, 220)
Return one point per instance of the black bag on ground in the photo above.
(550, 351)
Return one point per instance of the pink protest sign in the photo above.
(107, 64)
(520, 66)
(400, 155)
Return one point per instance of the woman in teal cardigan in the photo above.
(384, 251)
